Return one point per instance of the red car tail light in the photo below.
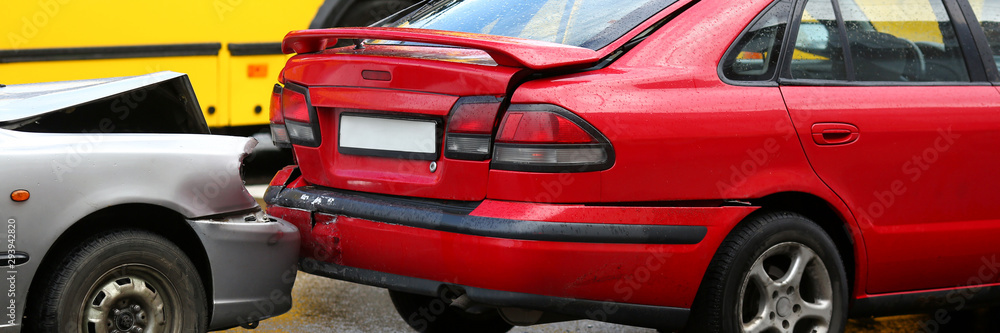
(548, 138)
(470, 128)
(293, 103)
(293, 120)
(279, 135)
(541, 127)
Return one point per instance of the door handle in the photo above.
(834, 133)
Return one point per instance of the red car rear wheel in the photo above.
(776, 272)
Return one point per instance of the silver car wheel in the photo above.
(129, 299)
(788, 289)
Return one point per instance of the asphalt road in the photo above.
(326, 305)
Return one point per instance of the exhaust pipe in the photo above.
(462, 302)
(514, 316)
(526, 317)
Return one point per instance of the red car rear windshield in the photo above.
(590, 24)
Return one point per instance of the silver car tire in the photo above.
(775, 272)
(125, 281)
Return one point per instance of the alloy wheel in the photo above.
(787, 289)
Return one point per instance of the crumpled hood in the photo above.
(162, 102)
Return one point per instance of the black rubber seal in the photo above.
(251, 49)
(110, 52)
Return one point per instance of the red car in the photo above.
(706, 165)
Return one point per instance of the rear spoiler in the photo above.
(506, 51)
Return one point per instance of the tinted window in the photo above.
(893, 40)
(988, 12)
(591, 24)
(818, 53)
(755, 56)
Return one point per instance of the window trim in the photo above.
(979, 38)
(966, 41)
(786, 65)
(842, 32)
(840, 83)
(769, 82)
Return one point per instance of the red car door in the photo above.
(903, 126)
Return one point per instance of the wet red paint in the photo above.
(680, 135)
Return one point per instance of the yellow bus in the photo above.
(230, 49)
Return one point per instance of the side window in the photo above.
(818, 54)
(755, 56)
(988, 12)
(891, 40)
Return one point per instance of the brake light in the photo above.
(470, 128)
(548, 138)
(279, 135)
(294, 105)
(541, 127)
(293, 120)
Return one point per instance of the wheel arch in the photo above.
(832, 221)
(152, 218)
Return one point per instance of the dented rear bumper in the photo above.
(631, 265)
(253, 263)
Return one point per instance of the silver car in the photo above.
(114, 226)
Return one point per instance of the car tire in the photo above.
(367, 12)
(434, 315)
(125, 280)
(775, 272)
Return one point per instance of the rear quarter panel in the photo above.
(680, 132)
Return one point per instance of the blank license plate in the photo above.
(388, 137)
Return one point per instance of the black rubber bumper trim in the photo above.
(456, 219)
(660, 317)
(250, 49)
(110, 52)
